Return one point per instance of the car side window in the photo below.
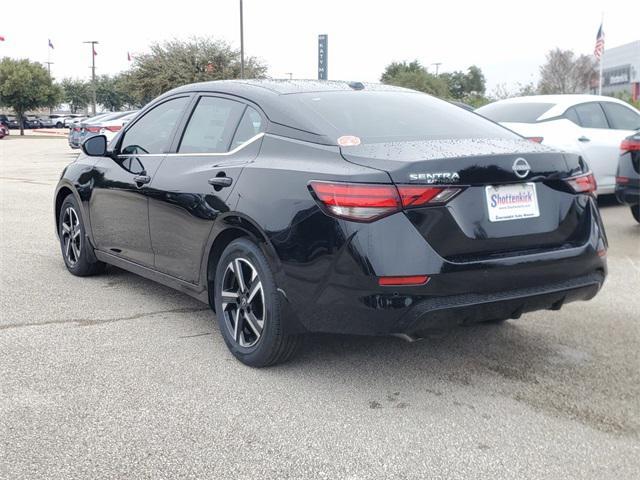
(211, 126)
(621, 117)
(571, 114)
(250, 126)
(152, 132)
(591, 115)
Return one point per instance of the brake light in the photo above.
(585, 183)
(114, 128)
(367, 202)
(404, 281)
(630, 145)
(92, 129)
(535, 139)
(622, 180)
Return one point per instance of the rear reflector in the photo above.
(622, 180)
(403, 281)
(535, 139)
(630, 145)
(367, 202)
(583, 183)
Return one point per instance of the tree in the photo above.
(564, 72)
(113, 92)
(77, 93)
(462, 85)
(26, 85)
(174, 63)
(413, 75)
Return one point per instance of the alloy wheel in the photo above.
(243, 303)
(71, 236)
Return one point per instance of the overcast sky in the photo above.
(507, 39)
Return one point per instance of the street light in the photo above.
(241, 43)
(93, 73)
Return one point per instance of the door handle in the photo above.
(141, 179)
(584, 139)
(221, 181)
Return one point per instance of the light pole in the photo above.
(49, 63)
(290, 75)
(93, 74)
(241, 43)
(437, 64)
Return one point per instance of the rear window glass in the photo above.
(514, 112)
(376, 117)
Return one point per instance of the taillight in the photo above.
(583, 183)
(622, 180)
(93, 129)
(403, 281)
(535, 139)
(630, 145)
(114, 128)
(367, 202)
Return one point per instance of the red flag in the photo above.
(1, 38)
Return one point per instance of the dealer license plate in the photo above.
(512, 202)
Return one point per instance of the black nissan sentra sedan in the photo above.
(306, 206)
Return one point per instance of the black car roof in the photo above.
(266, 93)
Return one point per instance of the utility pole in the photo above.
(290, 75)
(241, 43)
(437, 64)
(93, 74)
(49, 63)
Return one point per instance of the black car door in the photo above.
(118, 207)
(193, 184)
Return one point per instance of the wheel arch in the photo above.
(63, 192)
(228, 229)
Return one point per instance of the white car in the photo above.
(590, 125)
(112, 125)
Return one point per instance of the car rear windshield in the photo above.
(376, 117)
(514, 112)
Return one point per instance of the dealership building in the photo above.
(621, 70)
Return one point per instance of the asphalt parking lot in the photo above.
(118, 377)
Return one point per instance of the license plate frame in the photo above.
(514, 201)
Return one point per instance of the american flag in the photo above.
(599, 50)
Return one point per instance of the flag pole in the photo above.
(601, 59)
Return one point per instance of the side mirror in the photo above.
(95, 146)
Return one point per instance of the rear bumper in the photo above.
(629, 193)
(473, 308)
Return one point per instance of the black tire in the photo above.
(59, 125)
(273, 344)
(635, 211)
(78, 254)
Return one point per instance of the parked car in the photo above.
(590, 125)
(110, 126)
(61, 120)
(4, 130)
(27, 122)
(307, 206)
(75, 129)
(46, 122)
(628, 174)
(108, 122)
(4, 120)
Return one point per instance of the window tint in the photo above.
(514, 112)
(211, 126)
(591, 115)
(390, 116)
(621, 117)
(572, 115)
(249, 127)
(152, 133)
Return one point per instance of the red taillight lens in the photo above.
(115, 128)
(76, 129)
(622, 180)
(535, 139)
(408, 280)
(630, 145)
(92, 129)
(583, 183)
(354, 201)
(368, 202)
